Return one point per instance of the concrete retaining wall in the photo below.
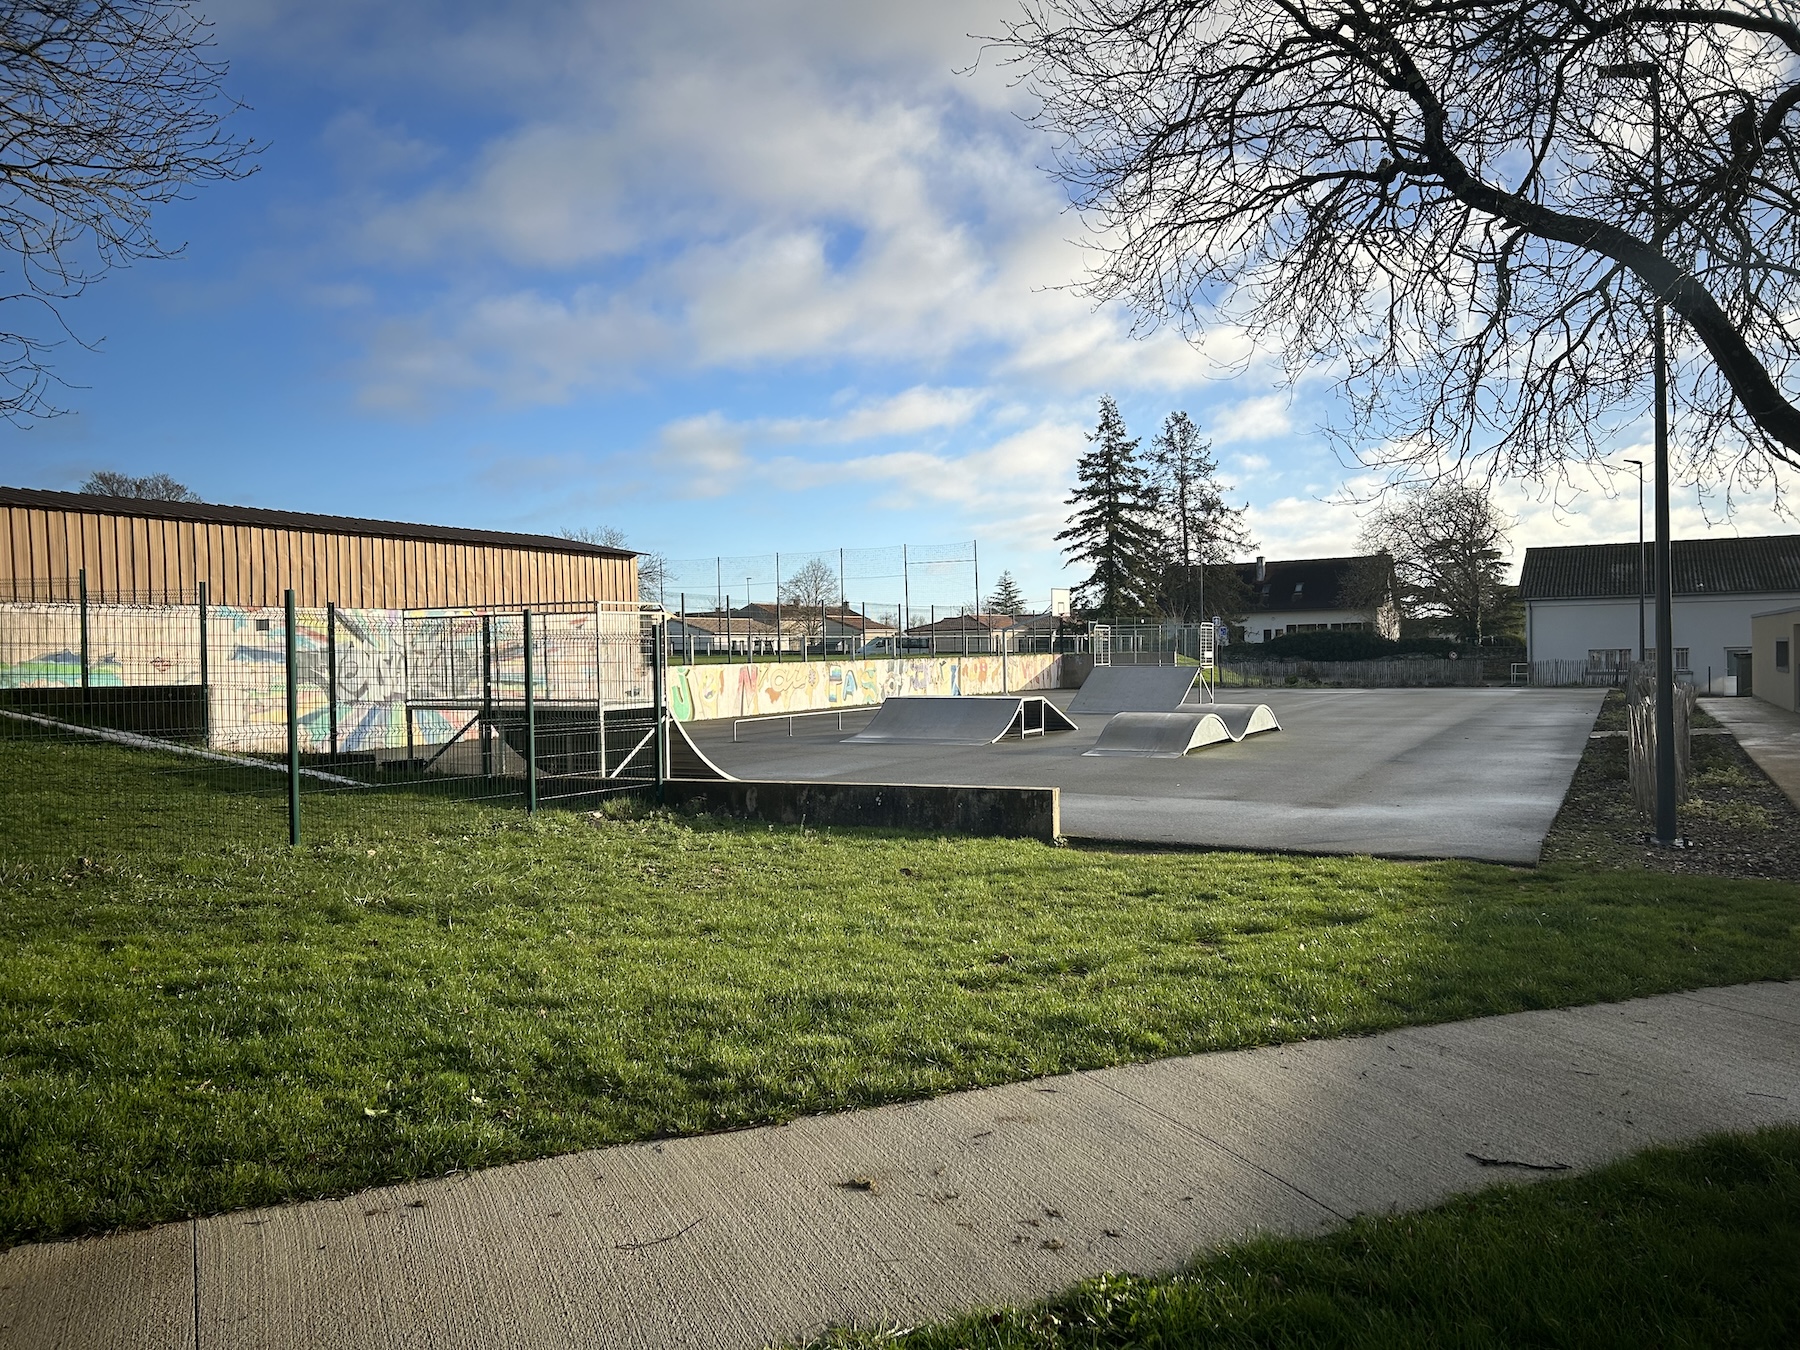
(1008, 812)
(761, 688)
(1076, 667)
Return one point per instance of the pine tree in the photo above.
(1199, 532)
(1110, 528)
(1007, 598)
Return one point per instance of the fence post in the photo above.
(659, 668)
(82, 580)
(487, 696)
(331, 671)
(530, 725)
(975, 557)
(205, 673)
(293, 723)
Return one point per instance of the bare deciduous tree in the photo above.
(814, 585)
(1448, 545)
(1452, 204)
(108, 109)
(157, 487)
(653, 568)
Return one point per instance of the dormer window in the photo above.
(1299, 586)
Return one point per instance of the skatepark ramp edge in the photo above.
(1170, 735)
(1136, 689)
(979, 719)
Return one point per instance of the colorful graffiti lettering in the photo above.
(749, 689)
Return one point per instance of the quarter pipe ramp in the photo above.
(1136, 689)
(976, 720)
(1170, 735)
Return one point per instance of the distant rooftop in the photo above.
(1759, 564)
(1299, 583)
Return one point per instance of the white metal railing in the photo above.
(838, 713)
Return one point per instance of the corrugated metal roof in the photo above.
(1761, 564)
(294, 520)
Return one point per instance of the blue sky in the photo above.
(728, 278)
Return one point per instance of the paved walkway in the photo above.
(1769, 735)
(912, 1212)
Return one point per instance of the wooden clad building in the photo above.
(158, 552)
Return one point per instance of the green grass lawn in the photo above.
(194, 1017)
(1676, 1247)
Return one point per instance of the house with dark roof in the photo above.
(1581, 603)
(1309, 595)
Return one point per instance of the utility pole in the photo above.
(1643, 565)
(1665, 833)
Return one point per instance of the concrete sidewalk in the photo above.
(1769, 735)
(914, 1212)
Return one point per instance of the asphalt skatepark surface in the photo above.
(1419, 773)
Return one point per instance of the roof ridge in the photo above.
(216, 513)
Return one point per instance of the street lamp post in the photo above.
(1665, 833)
(1643, 570)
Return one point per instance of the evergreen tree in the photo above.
(1110, 528)
(1200, 532)
(1007, 598)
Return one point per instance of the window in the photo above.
(1681, 658)
(1299, 586)
(1268, 634)
(1781, 653)
(1608, 658)
(262, 625)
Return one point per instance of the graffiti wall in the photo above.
(405, 680)
(399, 679)
(752, 689)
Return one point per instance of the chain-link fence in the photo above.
(905, 599)
(534, 704)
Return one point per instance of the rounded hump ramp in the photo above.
(1121, 689)
(1170, 735)
(976, 720)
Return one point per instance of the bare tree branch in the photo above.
(108, 110)
(1449, 205)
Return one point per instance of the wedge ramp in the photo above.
(1120, 689)
(1170, 735)
(977, 720)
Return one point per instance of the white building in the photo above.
(1581, 602)
(1308, 595)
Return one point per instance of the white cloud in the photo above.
(701, 456)
(702, 189)
(1253, 419)
(911, 412)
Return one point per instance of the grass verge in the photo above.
(1695, 1246)
(194, 1018)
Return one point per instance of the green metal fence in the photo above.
(540, 705)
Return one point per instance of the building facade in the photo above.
(1309, 595)
(1581, 604)
(139, 550)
